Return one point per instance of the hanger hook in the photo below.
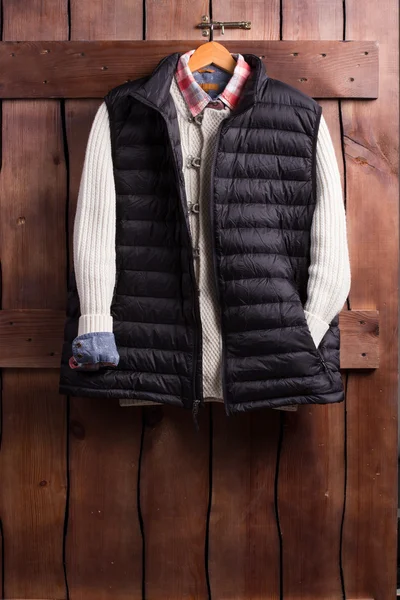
(211, 32)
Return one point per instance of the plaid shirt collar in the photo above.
(196, 98)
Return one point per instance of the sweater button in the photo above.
(198, 119)
(193, 161)
(196, 252)
(194, 207)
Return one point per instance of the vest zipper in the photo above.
(197, 399)
(213, 238)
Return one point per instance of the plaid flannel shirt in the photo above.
(196, 98)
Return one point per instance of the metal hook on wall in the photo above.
(208, 26)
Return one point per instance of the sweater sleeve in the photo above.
(94, 230)
(329, 269)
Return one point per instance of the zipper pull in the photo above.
(195, 412)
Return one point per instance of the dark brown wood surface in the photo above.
(33, 484)
(104, 549)
(370, 137)
(33, 472)
(329, 69)
(312, 471)
(99, 501)
(244, 545)
(33, 338)
(174, 489)
(104, 544)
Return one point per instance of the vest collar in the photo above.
(155, 89)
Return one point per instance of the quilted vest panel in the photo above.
(263, 199)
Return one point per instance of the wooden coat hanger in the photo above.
(212, 53)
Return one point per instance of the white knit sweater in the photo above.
(94, 234)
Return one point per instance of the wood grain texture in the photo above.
(312, 473)
(174, 489)
(264, 17)
(32, 245)
(32, 205)
(36, 20)
(359, 339)
(112, 20)
(33, 484)
(104, 545)
(371, 149)
(311, 495)
(244, 554)
(166, 20)
(32, 338)
(322, 69)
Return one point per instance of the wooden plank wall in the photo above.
(99, 501)
(313, 445)
(33, 455)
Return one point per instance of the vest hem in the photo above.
(333, 398)
(121, 395)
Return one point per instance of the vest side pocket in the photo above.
(324, 364)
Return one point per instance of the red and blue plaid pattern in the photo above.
(196, 98)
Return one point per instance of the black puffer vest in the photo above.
(263, 194)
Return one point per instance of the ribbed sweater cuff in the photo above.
(317, 327)
(95, 323)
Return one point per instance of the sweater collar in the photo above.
(155, 89)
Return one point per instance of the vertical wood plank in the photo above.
(244, 544)
(175, 470)
(371, 149)
(264, 17)
(32, 204)
(174, 502)
(312, 475)
(37, 20)
(33, 484)
(112, 20)
(104, 544)
(174, 20)
(244, 553)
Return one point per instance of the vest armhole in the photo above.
(112, 128)
(314, 153)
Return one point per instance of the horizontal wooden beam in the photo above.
(33, 338)
(79, 69)
(359, 339)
